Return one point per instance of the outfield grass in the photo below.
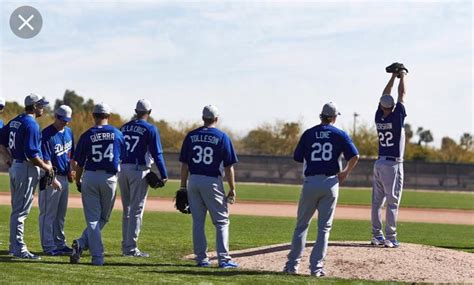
(167, 237)
(347, 196)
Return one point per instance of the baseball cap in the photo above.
(330, 110)
(387, 101)
(101, 108)
(64, 113)
(210, 112)
(33, 98)
(143, 105)
(2, 101)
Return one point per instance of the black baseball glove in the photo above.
(47, 179)
(396, 67)
(181, 201)
(153, 180)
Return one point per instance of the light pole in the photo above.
(355, 124)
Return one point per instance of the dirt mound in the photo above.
(359, 260)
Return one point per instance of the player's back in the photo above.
(207, 151)
(100, 148)
(21, 130)
(391, 132)
(138, 134)
(320, 148)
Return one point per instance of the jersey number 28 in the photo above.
(203, 154)
(98, 155)
(321, 151)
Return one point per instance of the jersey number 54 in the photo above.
(98, 154)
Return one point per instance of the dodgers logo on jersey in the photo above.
(60, 149)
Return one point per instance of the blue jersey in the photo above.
(1, 124)
(391, 132)
(320, 148)
(100, 148)
(58, 147)
(143, 144)
(207, 151)
(22, 136)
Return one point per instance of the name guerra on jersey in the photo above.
(205, 138)
(384, 126)
(133, 129)
(102, 137)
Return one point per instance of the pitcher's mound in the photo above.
(359, 260)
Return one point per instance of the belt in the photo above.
(101, 170)
(206, 175)
(391, 158)
(324, 174)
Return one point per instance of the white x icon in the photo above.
(26, 22)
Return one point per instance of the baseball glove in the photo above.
(153, 180)
(47, 179)
(181, 201)
(395, 67)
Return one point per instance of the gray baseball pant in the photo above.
(133, 191)
(206, 193)
(53, 207)
(98, 197)
(387, 186)
(320, 193)
(24, 177)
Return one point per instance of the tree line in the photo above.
(277, 138)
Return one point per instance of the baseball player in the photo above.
(2, 108)
(320, 149)
(388, 169)
(98, 154)
(57, 145)
(22, 136)
(142, 141)
(207, 152)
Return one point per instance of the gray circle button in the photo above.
(26, 22)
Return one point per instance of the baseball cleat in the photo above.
(379, 240)
(76, 252)
(203, 264)
(318, 273)
(53, 252)
(391, 243)
(27, 255)
(290, 271)
(228, 264)
(137, 253)
(66, 250)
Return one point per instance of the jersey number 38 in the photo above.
(203, 155)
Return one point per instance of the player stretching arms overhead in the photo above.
(388, 169)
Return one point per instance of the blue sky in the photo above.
(256, 61)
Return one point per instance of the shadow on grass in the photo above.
(215, 272)
(7, 258)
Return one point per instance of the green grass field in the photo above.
(347, 196)
(167, 237)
